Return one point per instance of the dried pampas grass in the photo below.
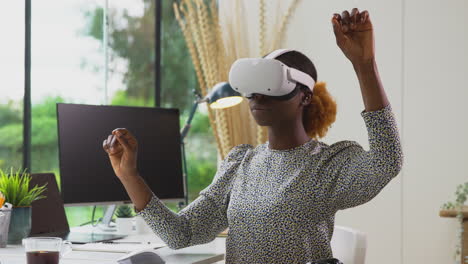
(216, 36)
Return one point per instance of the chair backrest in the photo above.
(349, 245)
(48, 215)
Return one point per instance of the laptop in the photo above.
(48, 215)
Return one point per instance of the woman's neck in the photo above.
(287, 137)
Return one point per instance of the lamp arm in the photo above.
(183, 134)
(187, 125)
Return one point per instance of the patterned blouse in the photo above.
(280, 205)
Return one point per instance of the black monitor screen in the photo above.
(85, 170)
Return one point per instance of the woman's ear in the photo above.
(306, 99)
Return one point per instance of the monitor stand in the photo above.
(106, 224)
(107, 228)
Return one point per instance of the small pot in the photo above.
(141, 227)
(20, 225)
(124, 225)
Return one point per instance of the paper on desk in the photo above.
(116, 247)
(90, 255)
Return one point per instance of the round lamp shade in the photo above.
(222, 96)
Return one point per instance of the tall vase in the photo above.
(20, 225)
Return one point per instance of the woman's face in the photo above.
(269, 111)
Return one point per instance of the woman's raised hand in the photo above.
(354, 35)
(122, 146)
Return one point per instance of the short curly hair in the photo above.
(321, 113)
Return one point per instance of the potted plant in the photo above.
(15, 187)
(124, 221)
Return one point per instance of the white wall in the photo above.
(435, 123)
(422, 53)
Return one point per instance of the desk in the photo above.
(206, 253)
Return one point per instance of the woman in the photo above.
(279, 199)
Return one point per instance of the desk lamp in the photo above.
(221, 96)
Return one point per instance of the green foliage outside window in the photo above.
(133, 43)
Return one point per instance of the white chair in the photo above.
(349, 245)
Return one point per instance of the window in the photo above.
(67, 65)
(178, 82)
(12, 84)
(76, 59)
(131, 51)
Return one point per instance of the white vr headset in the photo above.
(267, 76)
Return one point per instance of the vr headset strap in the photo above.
(298, 76)
(293, 74)
(277, 53)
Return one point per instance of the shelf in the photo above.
(453, 213)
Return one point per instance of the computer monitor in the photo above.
(87, 177)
